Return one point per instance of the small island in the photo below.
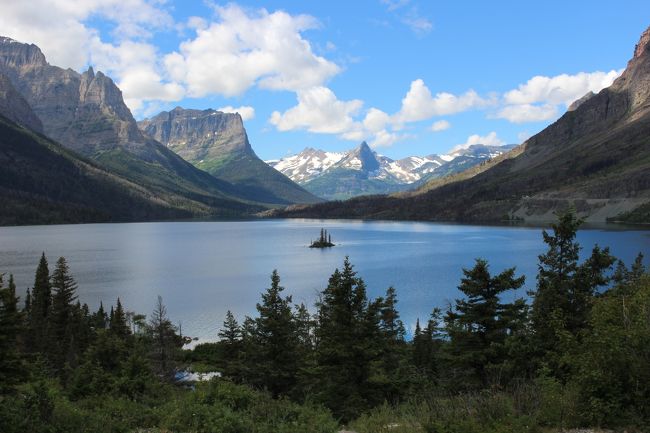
(324, 241)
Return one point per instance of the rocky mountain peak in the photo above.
(642, 46)
(19, 55)
(199, 134)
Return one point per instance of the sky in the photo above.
(409, 77)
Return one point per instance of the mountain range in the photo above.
(362, 171)
(85, 114)
(595, 158)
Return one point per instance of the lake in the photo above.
(202, 269)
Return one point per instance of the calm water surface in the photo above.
(202, 269)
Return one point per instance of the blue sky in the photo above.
(410, 77)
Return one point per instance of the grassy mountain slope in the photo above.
(41, 182)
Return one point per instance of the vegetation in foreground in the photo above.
(576, 355)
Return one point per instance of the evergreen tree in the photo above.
(11, 365)
(278, 346)
(40, 308)
(63, 344)
(231, 338)
(426, 346)
(565, 290)
(164, 339)
(479, 324)
(100, 318)
(119, 326)
(347, 336)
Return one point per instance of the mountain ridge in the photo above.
(336, 175)
(217, 143)
(595, 158)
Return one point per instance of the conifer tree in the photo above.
(479, 325)
(231, 337)
(11, 366)
(119, 326)
(278, 346)
(347, 334)
(40, 308)
(63, 320)
(164, 339)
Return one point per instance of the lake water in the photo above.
(202, 269)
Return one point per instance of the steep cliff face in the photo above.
(87, 114)
(217, 143)
(199, 135)
(15, 108)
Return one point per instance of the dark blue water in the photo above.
(202, 269)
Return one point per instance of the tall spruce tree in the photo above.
(63, 347)
(347, 336)
(230, 337)
(119, 327)
(11, 363)
(40, 308)
(479, 324)
(276, 337)
(565, 289)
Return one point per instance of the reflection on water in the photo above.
(202, 269)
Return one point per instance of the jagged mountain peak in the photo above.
(642, 46)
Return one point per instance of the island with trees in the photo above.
(324, 241)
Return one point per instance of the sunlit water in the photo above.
(202, 269)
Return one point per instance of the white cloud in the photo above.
(542, 98)
(58, 26)
(384, 138)
(561, 89)
(245, 111)
(245, 49)
(419, 104)
(319, 110)
(489, 140)
(375, 120)
(440, 125)
(527, 113)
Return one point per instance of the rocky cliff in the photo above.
(217, 143)
(15, 108)
(87, 114)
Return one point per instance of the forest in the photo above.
(573, 353)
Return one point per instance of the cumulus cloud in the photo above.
(319, 110)
(489, 140)
(420, 104)
(245, 111)
(561, 89)
(243, 49)
(542, 98)
(37, 21)
(527, 113)
(440, 125)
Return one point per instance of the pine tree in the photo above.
(231, 338)
(278, 345)
(478, 325)
(119, 326)
(565, 290)
(63, 324)
(164, 339)
(40, 309)
(347, 336)
(100, 318)
(11, 365)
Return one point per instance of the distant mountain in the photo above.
(15, 108)
(595, 158)
(42, 182)
(217, 143)
(86, 113)
(361, 171)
